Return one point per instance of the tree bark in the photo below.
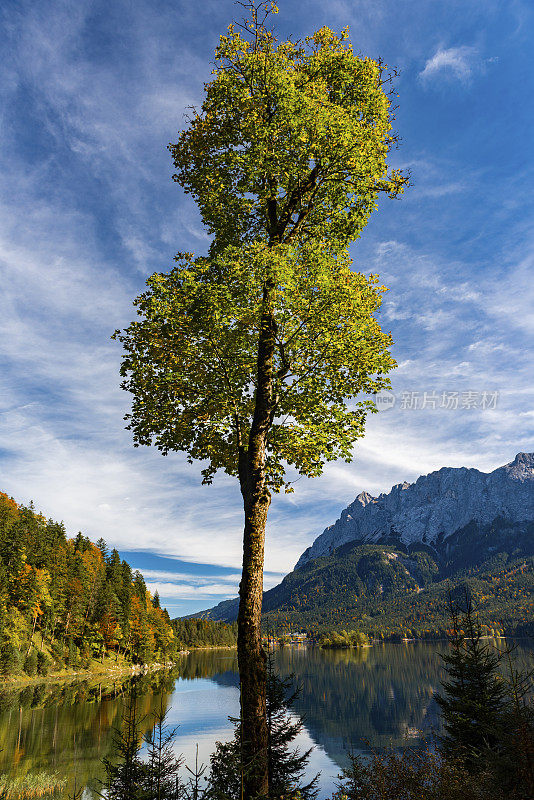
(31, 637)
(251, 657)
(256, 501)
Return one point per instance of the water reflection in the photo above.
(66, 730)
(371, 697)
(351, 699)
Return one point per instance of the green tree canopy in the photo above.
(191, 361)
(291, 141)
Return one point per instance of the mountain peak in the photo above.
(522, 467)
(364, 498)
(523, 459)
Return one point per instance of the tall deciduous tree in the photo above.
(254, 358)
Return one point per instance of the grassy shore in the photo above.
(107, 669)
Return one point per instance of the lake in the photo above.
(369, 698)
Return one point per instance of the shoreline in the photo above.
(130, 671)
(102, 672)
(73, 676)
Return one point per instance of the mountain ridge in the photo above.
(433, 507)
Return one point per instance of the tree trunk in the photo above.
(252, 671)
(256, 500)
(31, 637)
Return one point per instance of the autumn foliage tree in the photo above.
(254, 357)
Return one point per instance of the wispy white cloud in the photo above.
(223, 587)
(212, 591)
(178, 577)
(171, 585)
(455, 62)
(512, 299)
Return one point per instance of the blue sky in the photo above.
(91, 93)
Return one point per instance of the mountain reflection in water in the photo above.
(351, 700)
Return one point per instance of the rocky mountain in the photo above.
(433, 508)
(387, 565)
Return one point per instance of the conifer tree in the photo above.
(139, 586)
(286, 765)
(163, 780)
(30, 663)
(514, 766)
(125, 771)
(102, 546)
(10, 658)
(474, 699)
(155, 777)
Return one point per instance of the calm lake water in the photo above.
(376, 697)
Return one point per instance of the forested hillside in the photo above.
(205, 633)
(68, 602)
(386, 593)
(391, 590)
